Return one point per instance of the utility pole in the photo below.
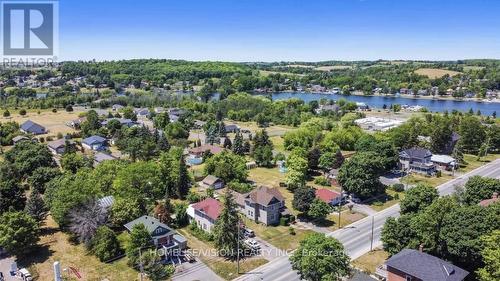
(371, 240)
(340, 203)
(238, 247)
(141, 267)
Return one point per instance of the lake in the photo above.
(434, 105)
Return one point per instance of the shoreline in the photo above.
(412, 97)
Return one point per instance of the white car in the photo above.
(252, 244)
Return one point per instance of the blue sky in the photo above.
(274, 30)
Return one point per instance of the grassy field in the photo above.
(434, 73)
(53, 122)
(274, 130)
(278, 236)
(222, 267)
(369, 261)
(346, 218)
(56, 246)
(386, 201)
(332, 67)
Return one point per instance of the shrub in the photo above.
(6, 113)
(283, 221)
(439, 174)
(291, 230)
(22, 112)
(398, 187)
(69, 108)
(322, 181)
(54, 110)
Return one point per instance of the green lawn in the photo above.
(278, 236)
(386, 201)
(369, 261)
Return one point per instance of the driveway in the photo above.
(5, 263)
(194, 271)
(267, 251)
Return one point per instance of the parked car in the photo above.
(247, 232)
(254, 245)
(25, 275)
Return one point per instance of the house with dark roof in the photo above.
(263, 204)
(163, 236)
(123, 121)
(100, 157)
(413, 265)
(30, 127)
(212, 182)
(205, 213)
(57, 147)
(19, 139)
(232, 128)
(95, 143)
(417, 160)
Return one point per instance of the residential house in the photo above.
(19, 139)
(232, 128)
(329, 196)
(57, 147)
(263, 205)
(332, 176)
(205, 213)
(117, 107)
(198, 151)
(487, 202)
(30, 127)
(142, 112)
(327, 108)
(101, 157)
(95, 143)
(417, 160)
(77, 123)
(413, 265)
(163, 236)
(124, 122)
(212, 182)
(444, 162)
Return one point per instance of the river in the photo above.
(434, 105)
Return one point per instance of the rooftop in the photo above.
(210, 206)
(425, 267)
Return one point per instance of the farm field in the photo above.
(434, 73)
(53, 122)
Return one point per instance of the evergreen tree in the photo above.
(226, 228)
(104, 245)
(238, 144)
(227, 143)
(35, 206)
(458, 153)
(162, 144)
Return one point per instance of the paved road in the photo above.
(195, 271)
(5, 263)
(356, 237)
